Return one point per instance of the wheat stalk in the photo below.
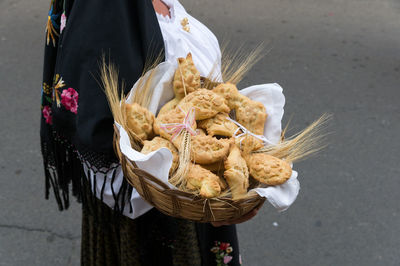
(302, 145)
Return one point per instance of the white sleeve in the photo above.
(199, 41)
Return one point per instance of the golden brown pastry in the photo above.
(186, 77)
(140, 120)
(218, 125)
(251, 115)
(201, 179)
(201, 132)
(207, 149)
(214, 167)
(230, 93)
(218, 169)
(248, 143)
(206, 103)
(236, 173)
(268, 169)
(158, 142)
(221, 181)
(169, 106)
(173, 116)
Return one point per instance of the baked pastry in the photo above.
(186, 78)
(236, 173)
(201, 132)
(251, 115)
(201, 179)
(218, 125)
(207, 149)
(248, 143)
(268, 169)
(214, 167)
(222, 182)
(230, 93)
(218, 169)
(206, 103)
(157, 143)
(139, 120)
(169, 106)
(176, 115)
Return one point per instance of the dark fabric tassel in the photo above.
(102, 188)
(112, 189)
(130, 203)
(62, 167)
(64, 171)
(121, 196)
(77, 185)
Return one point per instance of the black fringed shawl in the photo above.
(76, 122)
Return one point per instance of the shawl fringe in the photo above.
(64, 172)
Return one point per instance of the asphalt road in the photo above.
(341, 57)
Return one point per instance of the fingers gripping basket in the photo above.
(182, 204)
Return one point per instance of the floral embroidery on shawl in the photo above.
(52, 26)
(58, 83)
(67, 98)
(222, 251)
(63, 22)
(47, 115)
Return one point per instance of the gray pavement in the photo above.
(341, 57)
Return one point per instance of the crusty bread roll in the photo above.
(203, 180)
(236, 173)
(169, 106)
(218, 125)
(207, 150)
(207, 104)
(173, 116)
(268, 169)
(140, 120)
(251, 114)
(186, 77)
(157, 143)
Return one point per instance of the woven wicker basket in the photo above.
(182, 204)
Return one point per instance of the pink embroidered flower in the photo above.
(47, 115)
(69, 98)
(227, 259)
(63, 22)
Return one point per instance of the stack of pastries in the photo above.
(220, 160)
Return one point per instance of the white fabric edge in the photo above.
(271, 95)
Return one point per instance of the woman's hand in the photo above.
(242, 219)
(161, 8)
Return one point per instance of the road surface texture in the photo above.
(340, 57)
